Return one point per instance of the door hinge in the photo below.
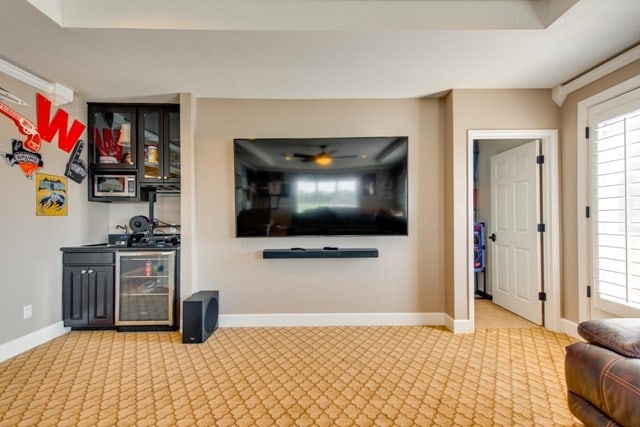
(586, 132)
(540, 159)
(541, 228)
(587, 211)
(588, 291)
(542, 296)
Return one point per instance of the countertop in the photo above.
(104, 247)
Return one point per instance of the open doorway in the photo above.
(507, 207)
(479, 205)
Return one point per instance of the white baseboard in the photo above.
(570, 328)
(464, 326)
(27, 342)
(331, 319)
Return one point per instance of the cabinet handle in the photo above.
(90, 271)
(83, 271)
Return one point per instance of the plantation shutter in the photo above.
(615, 205)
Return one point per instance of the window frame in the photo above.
(609, 110)
(584, 188)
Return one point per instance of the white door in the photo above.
(515, 212)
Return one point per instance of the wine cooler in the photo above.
(145, 288)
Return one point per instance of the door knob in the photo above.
(493, 237)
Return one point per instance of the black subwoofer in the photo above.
(199, 316)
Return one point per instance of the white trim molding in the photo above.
(331, 319)
(60, 94)
(560, 92)
(462, 326)
(550, 215)
(570, 328)
(583, 188)
(27, 342)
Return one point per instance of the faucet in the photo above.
(123, 227)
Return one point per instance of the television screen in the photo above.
(321, 186)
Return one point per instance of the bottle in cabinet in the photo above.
(160, 145)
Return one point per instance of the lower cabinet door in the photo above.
(101, 291)
(88, 296)
(75, 288)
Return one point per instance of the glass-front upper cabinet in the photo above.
(160, 147)
(112, 136)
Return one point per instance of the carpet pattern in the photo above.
(324, 376)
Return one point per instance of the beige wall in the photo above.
(570, 139)
(425, 272)
(449, 250)
(30, 261)
(408, 275)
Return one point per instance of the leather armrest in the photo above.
(605, 379)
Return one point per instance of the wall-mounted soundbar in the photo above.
(326, 252)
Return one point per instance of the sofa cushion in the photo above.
(619, 335)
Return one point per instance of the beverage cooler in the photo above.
(145, 288)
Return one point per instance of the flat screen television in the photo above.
(321, 186)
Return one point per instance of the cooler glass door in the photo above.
(145, 288)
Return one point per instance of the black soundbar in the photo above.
(326, 252)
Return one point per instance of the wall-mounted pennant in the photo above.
(28, 161)
(49, 127)
(25, 127)
(51, 195)
(76, 167)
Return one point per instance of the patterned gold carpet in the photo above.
(325, 376)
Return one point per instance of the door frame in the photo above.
(550, 214)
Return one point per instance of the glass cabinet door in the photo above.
(160, 146)
(145, 288)
(151, 134)
(172, 154)
(112, 141)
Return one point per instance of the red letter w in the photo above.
(67, 138)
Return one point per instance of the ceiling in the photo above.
(311, 49)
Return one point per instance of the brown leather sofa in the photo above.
(603, 373)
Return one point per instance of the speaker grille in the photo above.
(211, 316)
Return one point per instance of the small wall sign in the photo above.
(51, 195)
